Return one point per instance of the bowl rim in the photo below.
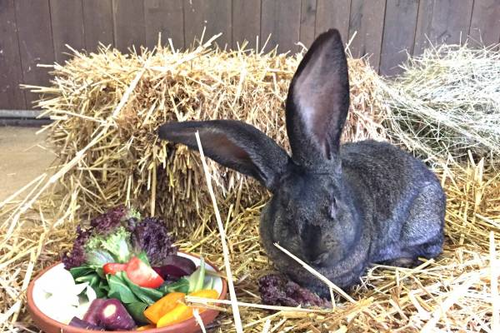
(33, 309)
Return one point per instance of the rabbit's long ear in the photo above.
(233, 144)
(318, 101)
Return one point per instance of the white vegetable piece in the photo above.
(56, 294)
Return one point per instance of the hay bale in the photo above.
(127, 163)
(447, 103)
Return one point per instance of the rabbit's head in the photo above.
(312, 212)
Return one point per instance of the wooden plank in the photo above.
(98, 23)
(167, 18)
(442, 21)
(485, 23)
(214, 14)
(67, 27)
(246, 14)
(333, 14)
(281, 20)
(399, 34)
(35, 42)
(129, 27)
(11, 75)
(308, 22)
(367, 21)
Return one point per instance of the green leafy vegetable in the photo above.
(77, 272)
(181, 286)
(197, 279)
(209, 284)
(116, 244)
(92, 275)
(136, 310)
(118, 289)
(144, 257)
(96, 257)
(146, 295)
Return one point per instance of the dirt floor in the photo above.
(22, 158)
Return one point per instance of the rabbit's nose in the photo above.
(312, 244)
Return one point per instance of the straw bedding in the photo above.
(106, 107)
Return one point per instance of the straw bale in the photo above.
(127, 163)
(446, 103)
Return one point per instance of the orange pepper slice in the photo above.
(180, 313)
(164, 305)
(206, 293)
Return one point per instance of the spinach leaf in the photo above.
(80, 271)
(118, 289)
(146, 295)
(91, 278)
(136, 310)
(100, 272)
(94, 276)
(181, 285)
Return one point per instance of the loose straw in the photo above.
(199, 320)
(314, 272)
(495, 301)
(225, 250)
(201, 300)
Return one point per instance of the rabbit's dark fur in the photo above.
(338, 208)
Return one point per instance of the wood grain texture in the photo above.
(215, 15)
(35, 42)
(11, 75)
(333, 14)
(367, 21)
(98, 23)
(281, 20)
(442, 21)
(66, 17)
(485, 22)
(129, 27)
(167, 18)
(308, 22)
(246, 26)
(399, 34)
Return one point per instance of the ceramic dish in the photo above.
(49, 325)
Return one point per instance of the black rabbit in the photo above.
(339, 208)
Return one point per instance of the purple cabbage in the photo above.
(151, 236)
(277, 290)
(107, 223)
(77, 257)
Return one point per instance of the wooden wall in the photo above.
(35, 31)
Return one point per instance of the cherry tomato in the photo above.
(113, 268)
(142, 275)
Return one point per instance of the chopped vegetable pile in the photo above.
(277, 290)
(123, 273)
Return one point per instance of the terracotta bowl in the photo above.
(49, 325)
